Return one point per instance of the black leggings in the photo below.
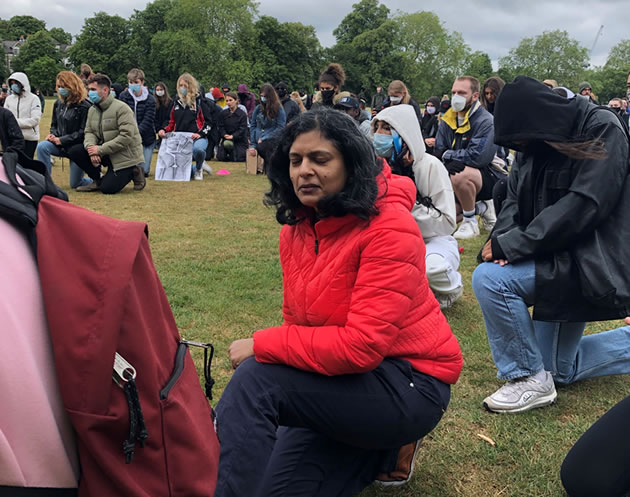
(29, 148)
(598, 465)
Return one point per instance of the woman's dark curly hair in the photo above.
(358, 196)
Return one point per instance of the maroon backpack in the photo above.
(143, 425)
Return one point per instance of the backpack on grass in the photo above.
(144, 427)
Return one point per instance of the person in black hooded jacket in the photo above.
(429, 123)
(10, 133)
(560, 243)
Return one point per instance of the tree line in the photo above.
(226, 41)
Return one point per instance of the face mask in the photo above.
(458, 103)
(159, 93)
(15, 88)
(113, 93)
(183, 91)
(94, 96)
(395, 100)
(383, 145)
(282, 92)
(327, 95)
(64, 92)
(430, 110)
(134, 88)
(263, 99)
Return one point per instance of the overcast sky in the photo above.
(491, 26)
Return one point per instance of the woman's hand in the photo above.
(56, 140)
(430, 142)
(195, 136)
(161, 133)
(241, 350)
(486, 251)
(228, 137)
(252, 152)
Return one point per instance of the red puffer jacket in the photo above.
(356, 293)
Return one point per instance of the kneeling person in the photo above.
(112, 140)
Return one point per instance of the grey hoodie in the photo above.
(431, 176)
(26, 108)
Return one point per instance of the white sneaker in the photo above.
(467, 229)
(489, 217)
(446, 300)
(205, 167)
(522, 395)
(199, 175)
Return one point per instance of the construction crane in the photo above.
(599, 33)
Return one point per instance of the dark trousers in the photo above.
(30, 147)
(287, 432)
(113, 181)
(598, 465)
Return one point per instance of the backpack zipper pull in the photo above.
(123, 371)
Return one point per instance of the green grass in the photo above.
(215, 248)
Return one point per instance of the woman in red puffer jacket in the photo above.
(364, 359)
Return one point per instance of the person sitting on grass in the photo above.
(67, 128)
(111, 140)
(559, 245)
(363, 361)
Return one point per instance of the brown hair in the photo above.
(69, 80)
(474, 82)
(86, 71)
(400, 87)
(164, 100)
(590, 149)
(134, 74)
(271, 107)
(496, 84)
(233, 95)
(101, 80)
(335, 75)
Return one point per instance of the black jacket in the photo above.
(144, 111)
(291, 109)
(203, 120)
(571, 217)
(68, 122)
(10, 133)
(162, 116)
(233, 123)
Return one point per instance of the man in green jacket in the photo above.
(112, 140)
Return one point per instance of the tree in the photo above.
(479, 66)
(432, 57)
(60, 36)
(5, 30)
(25, 26)
(42, 73)
(365, 16)
(4, 72)
(99, 44)
(37, 45)
(551, 55)
(619, 56)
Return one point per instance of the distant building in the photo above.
(10, 49)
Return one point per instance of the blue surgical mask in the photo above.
(263, 99)
(15, 88)
(134, 88)
(383, 145)
(64, 92)
(94, 96)
(183, 91)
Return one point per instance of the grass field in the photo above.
(215, 248)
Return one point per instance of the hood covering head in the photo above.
(403, 119)
(435, 101)
(22, 79)
(217, 94)
(527, 110)
(242, 88)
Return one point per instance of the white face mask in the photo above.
(430, 110)
(159, 93)
(458, 103)
(395, 100)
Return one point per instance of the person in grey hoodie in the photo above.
(398, 139)
(26, 108)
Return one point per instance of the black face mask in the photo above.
(282, 92)
(327, 96)
(242, 95)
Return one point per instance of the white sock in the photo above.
(469, 216)
(481, 208)
(541, 376)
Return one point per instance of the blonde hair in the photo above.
(193, 89)
(69, 80)
(398, 86)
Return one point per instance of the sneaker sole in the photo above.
(547, 400)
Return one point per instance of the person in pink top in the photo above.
(37, 447)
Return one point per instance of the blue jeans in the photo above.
(46, 149)
(199, 152)
(290, 432)
(147, 150)
(522, 346)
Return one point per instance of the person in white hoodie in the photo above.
(26, 108)
(398, 139)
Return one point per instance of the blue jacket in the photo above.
(144, 111)
(471, 143)
(263, 128)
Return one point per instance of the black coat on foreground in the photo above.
(10, 133)
(570, 215)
